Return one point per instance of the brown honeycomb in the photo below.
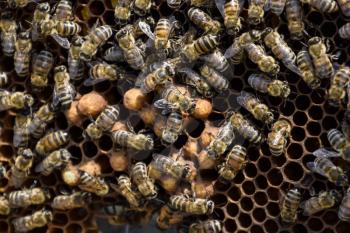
(251, 202)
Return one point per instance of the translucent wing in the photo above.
(312, 167)
(63, 42)
(325, 153)
(292, 67)
(145, 28)
(242, 98)
(39, 168)
(114, 54)
(140, 79)
(220, 5)
(277, 138)
(164, 104)
(91, 81)
(233, 50)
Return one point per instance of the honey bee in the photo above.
(41, 67)
(144, 183)
(132, 140)
(21, 131)
(339, 82)
(4, 206)
(326, 168)
(15, 100)
(344, 209)
(4, 80)
(101, 72)
(41, 14)
(96, 38)
(324, 6)
(245, 128)
(19, 3)
(172, 99)
(344, 31)
(235, 161)
(66, 28)
(54, 160)
(276, 6)
(63, 11)
(37, 219)
(41, 118)
(51, 142)
(92, 184)
(162, 33)
(64, 92)
(114, 54)
(253, 105)
(307, 70)
(196, 206)
(8, 33)
(75, 65)
(167, 165)
(168, 217)
(290, 205)
(222, 140)
(321, 60)
(295, 19)
(344, 6)
(277, 138)
(257, 54)
(203, 45)
(27, 197)
(203, 20)
(21, 167)
(256, 11)
(208, 226)
(142, 7)
(230, 11)
(324, 200)
(125, 189)
(3, 171)
(173, 127)
(122, 10)
(193, 79)
(175, 4)
(104, 122)
(264, 84)
(72, 201)
(217, 61)
(22, 54)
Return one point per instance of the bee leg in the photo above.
(129, 126)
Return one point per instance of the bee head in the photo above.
(210, 207)
(27, 153)
(48, 215)
(148, 143)
(24, 35)
(77, 40)
(314, 40)
(43, 7)
(85, 56)
(266, 31)
(29, 100)
(60, 69)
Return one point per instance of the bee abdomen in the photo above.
(336, 139)
(344, 31)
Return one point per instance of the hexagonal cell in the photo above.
(250, 170)
(264, 164)
(74, 228)
(260, 198)
(302, 102)
(275, 177)
(342, 227)
(315, 112)
(60, 219)
(232, 209)
(248, 187)
(78, 214)
(293, 171)
(312, 144)
(271, 226)
(315, 224)
(244, 220)
(298, 134)
(261, 182)
(89, 149)
(246, 204)
(230, 225)
(299, 118)
(313, 128)
(273, 209)
(297, 228)
(330, 217)
(234, 193)
(219, 200)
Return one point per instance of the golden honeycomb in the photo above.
(251, 202)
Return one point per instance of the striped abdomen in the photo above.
(108, 117)
(51, 142)
(325, 6)
(67, 28)
(336, 139)
(162, 32)
(290, 206)
(21, 62)
(100, 35)
(8, 42)
(344, 208)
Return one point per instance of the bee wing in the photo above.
(39, 168)
(312, 167)
(116, 55)
(220, 5)
(241, 99)
(325, 153)
(140, 79)
(277, 138)
(233, 50)
(63, 42)
(145, 28)
(90, 81)
(165, 105)
(292, 67)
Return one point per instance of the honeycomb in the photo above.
(251, 202)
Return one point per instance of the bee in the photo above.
(171, 167)
(56, 159)
(37, 219)
(63, 11)
(4, 206)
(142, 7)
(307, 70)
(324, 6)
(203, 45)
(200, 3)
(321, 60)
(66, 28)
(64, 92)
(132, 140)
(122, 10)
(114, 54)
(51, 142)
(277, 138)
(41, 14)
(41, 67)
(58, 30)
(203, 20)
(75, 64)
(230, 11)
(158, 77)
(27, 197)
(95, 39)
(19, 3)
(217, 60)
(104, 122)
(344, 208)
(208, 226)
(40, 120)
(193, 79)
(8, 36)
(222, 140)
(257, 54)
(22, 54)
(344, 6)
(253, 105)
(124, 187)
(324, 200)
(276, 6)
(256, 11)
(295, 19)
(144, 183)
(72, 201)
(264, 84)
(162, 33)
(339, 82)
(196, 206)
(101, 72)
(21, 131)
(235, 161)
(4, 79)
(16, 100)
(326, 168)
(175, 4)
(173, 99)
(93, 184)
(168, 217)
(290, 205)
(344, 31)
(245, 128)
(21, 167)
(173, 127)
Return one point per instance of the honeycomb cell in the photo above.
(76, 134)
(195, 127)
(329, 122)
(273, 209)
(78, 214)
(55, 230)
(330, 217)
(302, 102)
(293, 171)
(239, 178)
(317, 96)
(219, 200)
(89, 149)
(234, 193)
(248, 187)
(275, 177)
(261, 182)
(271, 226)
(60, 219)
(298, 228)
(300, 118)
(315, 112)
(230, 225)
(250, 170)
(74, 228)
(311, 144)
(244, 220)
(260, 198)
(342, 227)
(259, 214)
(49, 180)
(287, 109)
(313, 128)
(105, 143)
(315, 224)
(76, 154)
(256, 229)
(232, 209)
(219, 186)
(264, 164)
(246, 204)
(298, 134)
(328, 29)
